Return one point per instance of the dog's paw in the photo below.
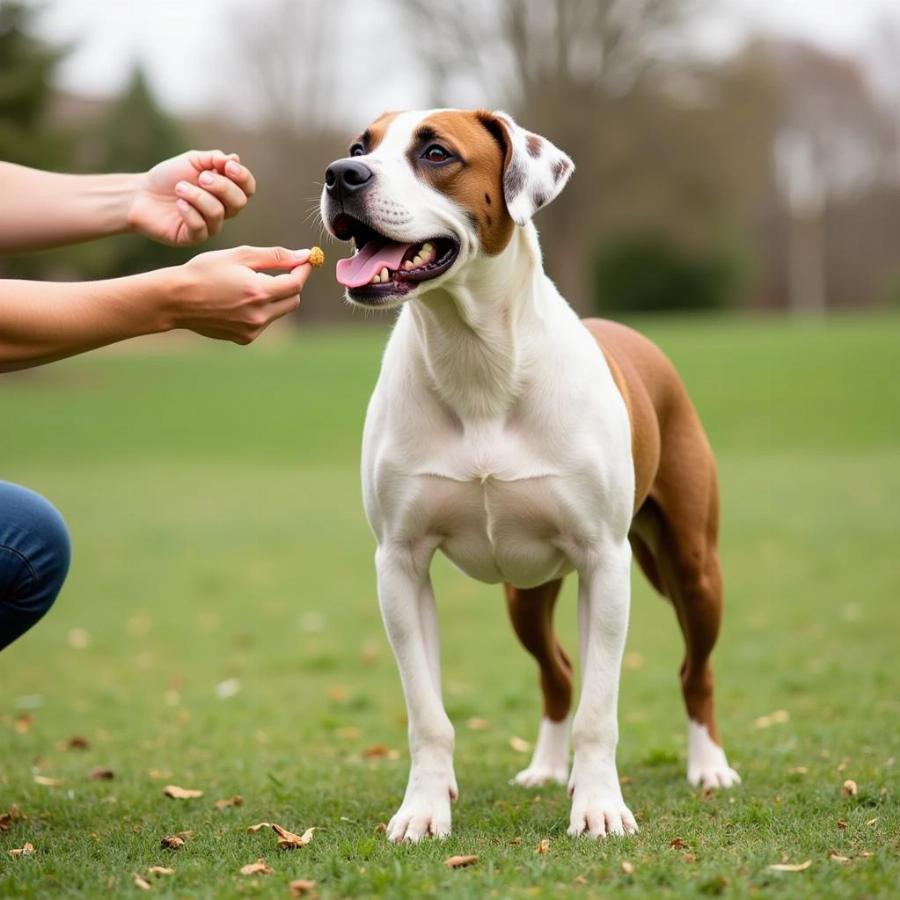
(536, 775)
(420, 817)
(707, 764)
(598, 815)
(715, 776)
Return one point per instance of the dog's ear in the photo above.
(534, 170)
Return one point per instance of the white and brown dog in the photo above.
(524, 444)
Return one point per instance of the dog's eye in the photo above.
(357, 150)
(435, 153)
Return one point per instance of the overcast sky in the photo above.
(183, 43)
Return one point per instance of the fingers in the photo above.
(209, 206)
(226, 164)
(241, 176)
(271, 257)
(194, 223)
(279, 287)
(229, 194)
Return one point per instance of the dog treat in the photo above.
(316, 257)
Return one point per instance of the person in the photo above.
(221, 294)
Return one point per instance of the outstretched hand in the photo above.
(184, 200)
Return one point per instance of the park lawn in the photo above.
(220, 545)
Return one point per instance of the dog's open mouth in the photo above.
(382, 267)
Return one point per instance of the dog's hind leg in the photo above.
(531, 613)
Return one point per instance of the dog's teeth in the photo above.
(407, 264)
(376, 278)
(426, 249)
(417, 260)
(385, 275)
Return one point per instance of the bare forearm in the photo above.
(48, 209)
(41, 322)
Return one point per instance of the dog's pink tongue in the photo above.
(360, 268)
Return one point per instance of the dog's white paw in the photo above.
(536, 775)
(598, 814)
(425, 811)
(551, 756)
(707, 764)
(598, 808)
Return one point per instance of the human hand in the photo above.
(184, 200)
(223, 294)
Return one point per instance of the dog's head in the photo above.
(421, 194)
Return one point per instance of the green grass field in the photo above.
(219, 538)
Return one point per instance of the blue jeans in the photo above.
(34, 559)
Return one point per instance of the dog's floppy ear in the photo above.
(534, 170)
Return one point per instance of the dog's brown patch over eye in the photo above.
(476, 175)
(375, 133)
(534, 145)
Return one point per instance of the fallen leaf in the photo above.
(520, 745)
(301, 886)
(380, 828)
(24, 721)
(287, 839)
(236, 800)
(627, 867)
(172, 842)
(376, 750)
(849, 788)
(790, 867)
(543, 848)
(677, 844)
(259, 826)
(14, 814)
(257, 868)
(141, 882)
(48, 782)
(836, 857)
(865, 855)
(159, 774)
(160, 870)
(872, 821)
(579, 879)
(101, 774)
(180, 793)
(77, 742)
(842, 824)
(477, 724)
(779, 717)
(460, 862)
(27, 849)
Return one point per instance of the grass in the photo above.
(218, 531)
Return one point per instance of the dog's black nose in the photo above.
(346, 177)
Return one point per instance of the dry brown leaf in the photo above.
(257, 868)
(301, 886)
(102, 774)
(160, 870)
(48, 782)
(779, 717)
(477, 724)
(376, 750)
(380, 828)
(579, 879)
(14, 814)
(627, 867)
(27, 849)
(236, 800)
(24, 721)
(543, 848)
(677, 844)
(77, 742)
(460, 862)
(141, 882)
(865, 855)
(520, 745)
(287, 839)
(172, 842)
(841, 824)
(872, 821)
(791, 867)
(259, 826)
(836, 857)
(849, 788)
(180, 793)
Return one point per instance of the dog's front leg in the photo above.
(598, 808)
(407, 607)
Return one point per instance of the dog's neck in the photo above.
(473, 335)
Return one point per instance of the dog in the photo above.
(524, 444)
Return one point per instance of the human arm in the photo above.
(181, 202)
(221, 294)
